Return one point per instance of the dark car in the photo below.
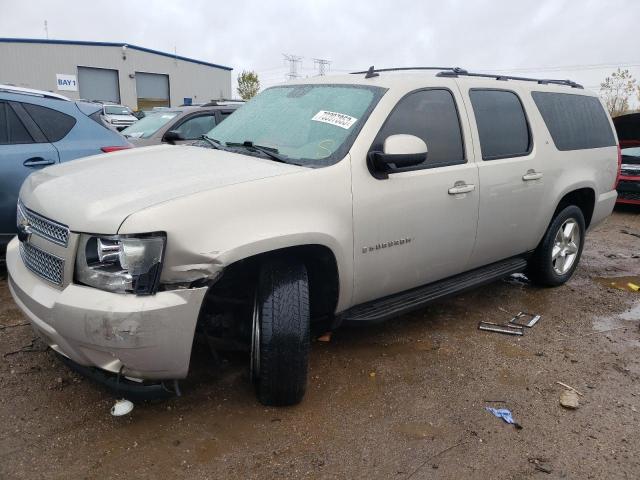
(177, 125)
(628, 129)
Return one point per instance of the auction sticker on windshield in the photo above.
(334, 118)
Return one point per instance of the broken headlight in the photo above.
(121, 263)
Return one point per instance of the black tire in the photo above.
(540, 269)
(284, 336)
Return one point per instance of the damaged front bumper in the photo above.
(143, 337)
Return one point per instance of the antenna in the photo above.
(323, 65)
(46, 29)
(294, 62)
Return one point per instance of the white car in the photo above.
(119, 116)
(351, 198)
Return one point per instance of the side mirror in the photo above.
(172, 136)
(398, 151)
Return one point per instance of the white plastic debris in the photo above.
(121, 407)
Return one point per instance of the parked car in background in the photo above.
(38, 129)
(326, 200)
(176, 125)
(628, 128)
(119, 116)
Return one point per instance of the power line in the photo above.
(322, 64)
(294, 61)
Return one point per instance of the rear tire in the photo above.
(281, 333)
(558, 254)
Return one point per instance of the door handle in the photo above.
(37, 162)
(532, 175)
(461, 187)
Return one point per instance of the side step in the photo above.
(403, 302)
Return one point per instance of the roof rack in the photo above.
(31, 91)
(221, 102)
(457, 71)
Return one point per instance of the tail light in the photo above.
(615, 182)
(114, 149)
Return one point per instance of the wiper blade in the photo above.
(213, 142)
(268, 151)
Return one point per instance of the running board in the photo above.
(403, 302)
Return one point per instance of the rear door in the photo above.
(512, 175)
(23, 149)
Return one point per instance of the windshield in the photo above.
(150, 124)
(309, 124)
(116, 110)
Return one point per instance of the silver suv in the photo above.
(335, 199)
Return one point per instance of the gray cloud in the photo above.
(481, 34)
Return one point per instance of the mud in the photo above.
(400, 400)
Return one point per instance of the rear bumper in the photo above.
(145, 337)
(628, 190)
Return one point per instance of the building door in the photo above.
(152, 90)
(99, 84)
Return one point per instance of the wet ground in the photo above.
(403, 400)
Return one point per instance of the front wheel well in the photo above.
(583, 198)
(231, 297)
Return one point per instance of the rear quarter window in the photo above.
(575, 122)
(54, 124)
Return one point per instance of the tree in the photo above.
(248, 85)
(616, 90)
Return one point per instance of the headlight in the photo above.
(121, 263)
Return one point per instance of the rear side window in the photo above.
(502, 124)
(432, 116)
(575, 122)
(54, 124)
(195, 127)
(12, 130)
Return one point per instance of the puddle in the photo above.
(628, 284)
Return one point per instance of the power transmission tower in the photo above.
(323, 65)
(294, 62)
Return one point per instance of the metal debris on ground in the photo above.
(504, 414)
(530, 319)
(515, 326)
(569, 399)
(504, 328)
(569, 387)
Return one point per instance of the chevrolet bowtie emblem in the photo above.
(24, 231)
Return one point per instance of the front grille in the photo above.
(629, 195)
(43, 264)
(628, 172)
(39, 225)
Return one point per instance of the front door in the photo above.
(22, 150)
(412, 228)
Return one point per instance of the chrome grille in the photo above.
(630, 172)
(39, 225)
(43, 264)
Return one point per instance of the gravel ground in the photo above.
(400, 400)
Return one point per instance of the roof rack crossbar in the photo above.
(456, 71)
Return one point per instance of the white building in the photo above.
(122, 73)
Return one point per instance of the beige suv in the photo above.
(335, 199)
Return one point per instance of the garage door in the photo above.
(152, 90)
(99, 84)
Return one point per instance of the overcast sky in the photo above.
(587, 38)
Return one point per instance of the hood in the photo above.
(97, 193)
(628, 129)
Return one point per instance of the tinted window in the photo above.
(12, 130)
(432, 116)
(195, 127)
(54, 124)
(502, 124)
(575, 122)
